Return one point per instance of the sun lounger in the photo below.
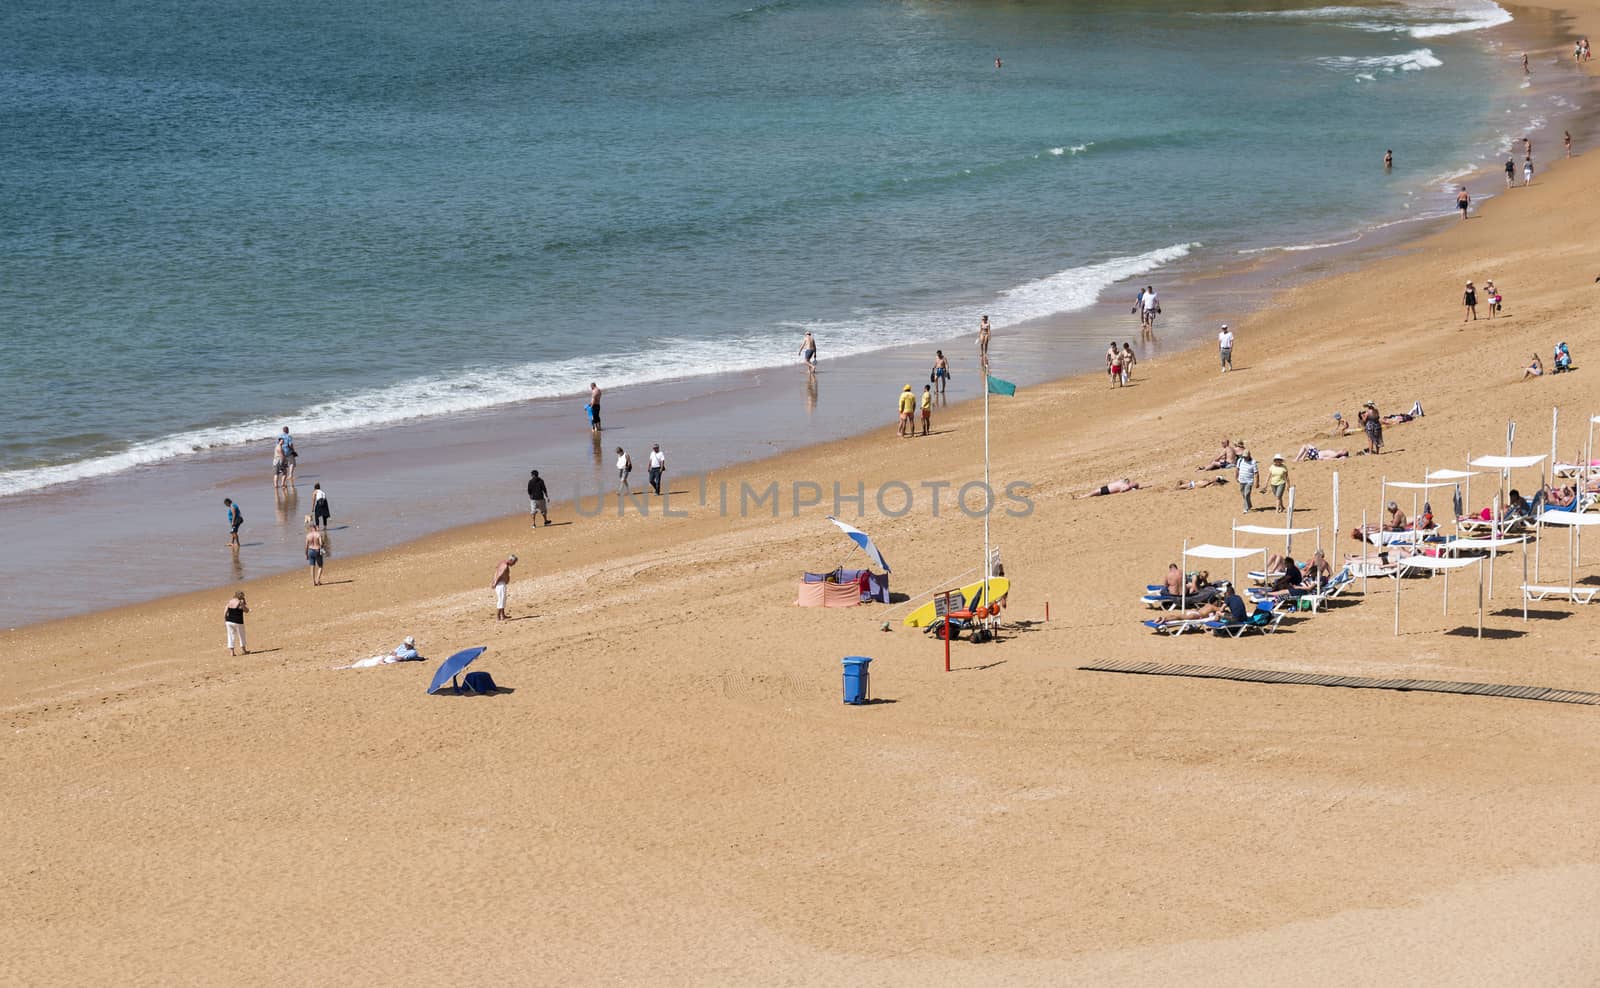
(1578, 595)
(1266, 619)
(1480, 526)
(1174, 626)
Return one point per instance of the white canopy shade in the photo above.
(1496, 543)
(1508, 462)
(1435, 562)
(1568, 518)
(1265, 530)
(1451, 474)
(1413, 486)
(1208, 551)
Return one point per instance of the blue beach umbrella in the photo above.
(863, 540)
(452, 666)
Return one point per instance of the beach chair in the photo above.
(1578, 595)
(1175, 626)
(1334, 587)
(1265, 619)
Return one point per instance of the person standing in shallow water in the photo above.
(1388, 159)
(983, 340)
(1463, 201)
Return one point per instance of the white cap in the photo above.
(410, 640)
(1224, 325)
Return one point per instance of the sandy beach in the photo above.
(674, 794)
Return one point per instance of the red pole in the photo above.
(947, 631)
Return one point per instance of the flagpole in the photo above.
(988, 491)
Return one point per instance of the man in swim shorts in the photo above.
(594, 407)
(927, 407)
(235, 519)
(502, 580)
(1225, 347)
(941, 370)
(316, 546)
(908, 405)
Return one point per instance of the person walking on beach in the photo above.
(941, 370)
(1127, 362)
(1525, 64)
(908, 405)
(1372, 425)
(594, 407)
(983, 341)
(280, 466)
(624, 467)
(319, 505)
(1277, 479)
(927, 407)
(1225, 346)
(1527, 171)
(316, 549)
(658, 466)
(502, 581)
(1114, 364)
(1150, 302)
(286, 444)
(1388, 159)
(1246, 465)
(1566, 141)
(233, 618)
(235, 519)
(538, 500)
(808, 350)
(1463, 201)
(1511, 172)
(1491, 295)
(1469, 300)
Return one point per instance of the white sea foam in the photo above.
(1074, 149)
(1419, 19)
(1364, 65)
(474, 389)
(1296, 248)
(1460, 16)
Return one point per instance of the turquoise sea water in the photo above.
(215, 220)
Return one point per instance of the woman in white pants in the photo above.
(233, 617)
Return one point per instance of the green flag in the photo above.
(999, 387)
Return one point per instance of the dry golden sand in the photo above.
(675, 794)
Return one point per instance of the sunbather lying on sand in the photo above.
(406, 651)
(1115, 487)
(1400, 418)
(1194, 485)
(1310, 452)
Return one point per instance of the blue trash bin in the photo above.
(857, 682)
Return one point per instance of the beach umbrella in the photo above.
(863, 540)
(451, 667)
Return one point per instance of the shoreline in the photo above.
(713, 422)
(674, 767)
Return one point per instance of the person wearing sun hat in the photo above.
(908, 405)
(1372, 424)
(1277, 479)
(1469, 300)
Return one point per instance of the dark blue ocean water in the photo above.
(216, 219)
